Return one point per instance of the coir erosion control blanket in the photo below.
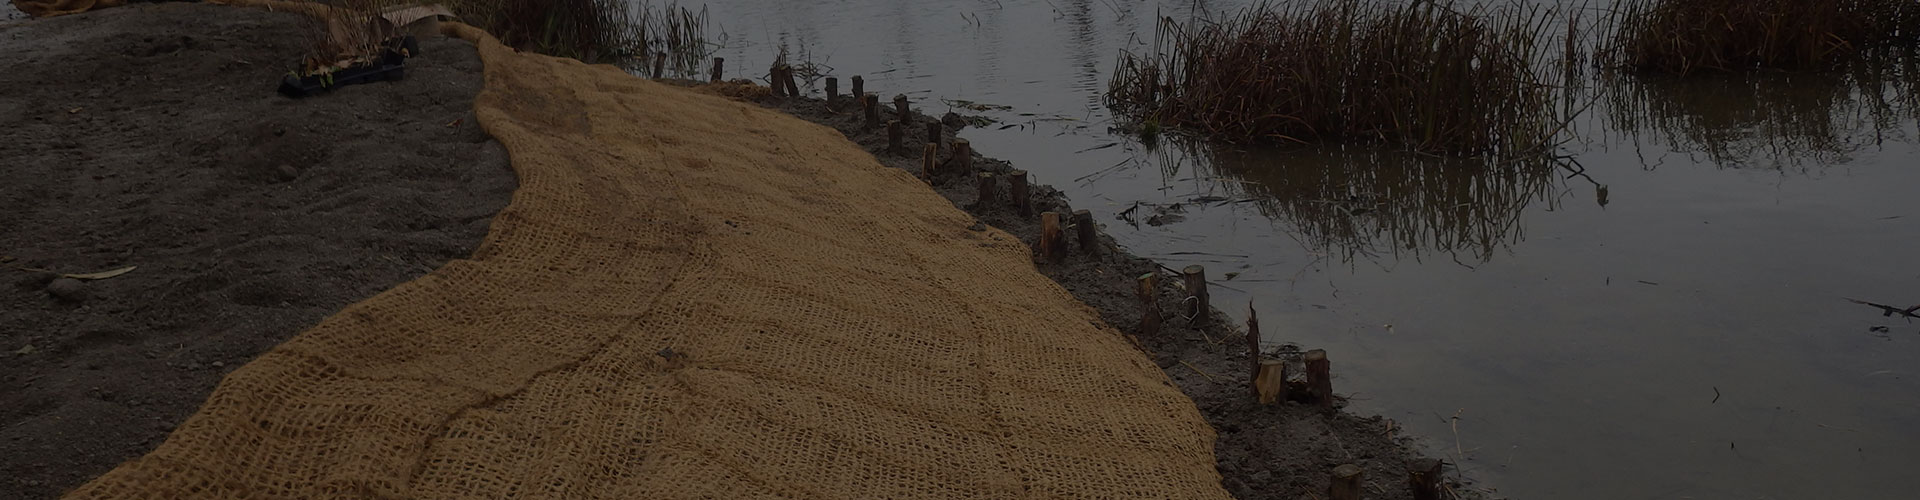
(691, 297)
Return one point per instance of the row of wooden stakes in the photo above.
(1267, 377)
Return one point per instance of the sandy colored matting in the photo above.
(691, 297)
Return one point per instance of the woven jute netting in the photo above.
(691, 297)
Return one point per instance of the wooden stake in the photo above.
(1017, 181)
(859, 87)
(929, 161)
(833, 91)
(775, 83)
(986, 190)
(1253, 357)
(786, 77)
(870, 104)
(1199, 309)
(1270, 382)
(718, 64)
(1089, 234)
(1051, 240)
(895, 135)
(1149, 305)
(1320, 377)
(933, 131)
(900, 108)
(963, 155)
(660, 65)
(1423, 477)
(1346, 483)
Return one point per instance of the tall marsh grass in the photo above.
(1680, 37)
(596, 30)
(1434, 77)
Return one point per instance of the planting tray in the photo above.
(392, 65)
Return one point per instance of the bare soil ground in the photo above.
(1283, 452)
(151, 136)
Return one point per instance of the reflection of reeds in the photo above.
(1425, 75)
(1364, 203)
(1687, 36)
(1782, 119)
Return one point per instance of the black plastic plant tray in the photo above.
(391, 66)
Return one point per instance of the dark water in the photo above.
(1680, 333)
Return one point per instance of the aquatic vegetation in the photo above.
(1682, 37)
(597, 30)
(1434, 77)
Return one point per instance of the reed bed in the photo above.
(598, 31)
(1434, 77)
(1682, 37)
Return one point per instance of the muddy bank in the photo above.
(1264, 452)
(151, 136)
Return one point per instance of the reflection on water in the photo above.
(1380, 205)
(1781, 121)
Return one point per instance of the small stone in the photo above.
(219, 364)
(68, 289)
(288, 173)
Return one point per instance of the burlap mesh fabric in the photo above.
(691, 297)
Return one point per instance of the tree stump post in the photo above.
(963, 155)
(900, 108)
(1346, 483)
(786, 78)
(1198, 309)
(719, 63)
(775, 82)
(986, 190)
(1423, 477)
(1270, 382)
(895, 137)
(833, 91)
(1051, 239)
(933, 131)
(1149, 305)
(859, 87)
(1320, 377)
(870, 104)
(1017, 181)
(929, 160)
(1089, 235)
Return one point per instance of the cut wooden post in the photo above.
(933, 131)
(833, 91)
(775, 83)
(1320, 377)
(1050, 237)
(1270, 381)
(660, 65)
(870, 104)
(859, 87)
(1198, 307)
(1255, 365)
(1017, 181)
(928, 162)
(786, 78)
(1149, 305)
(1089, 235)
(1346, 483)
(986, 190)
(962, 155)
(895, 137)
(1423, 477)
(718, 64)
(900, 108)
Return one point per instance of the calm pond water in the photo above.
(1680, 333)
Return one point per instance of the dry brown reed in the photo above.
(1434, 77)
(610, 31)
(1681, 37)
